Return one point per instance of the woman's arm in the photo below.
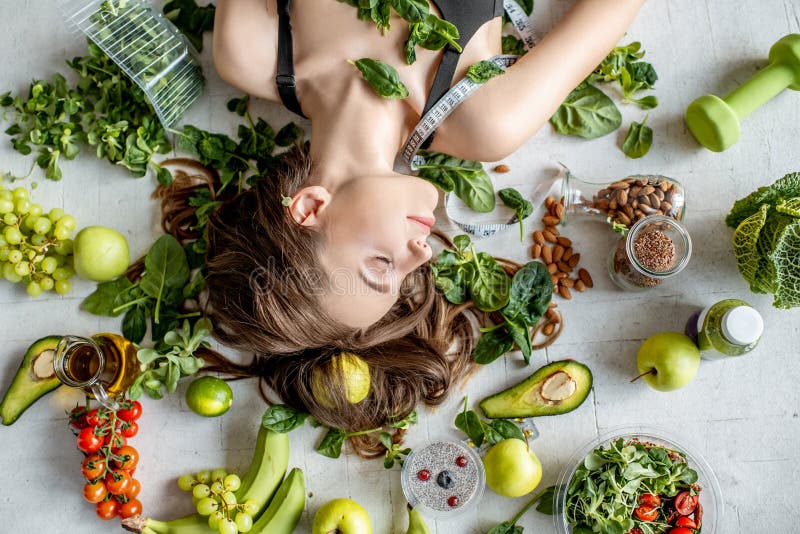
(504, 113)
(246, 45)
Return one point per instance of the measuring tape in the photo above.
(521, 22)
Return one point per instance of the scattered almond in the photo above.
(502, 168)
(549, 220)
(538, 238)
(547, 254)
(565, 292)
(573, 261)
(548, 236)
(563, 267)
(552, 268)
(585, 277)
(548, 329)
(564, 241)
(558, 253)
(567, 282)
(553, 230)
(536, 251)
(567, 254)
(579, 285)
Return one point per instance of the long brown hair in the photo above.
(262, 279)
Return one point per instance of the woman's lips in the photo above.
(427, 222)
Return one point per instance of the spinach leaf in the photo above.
(530, 294)
(514, 46)
(331, 444)
(469, 180)
(521, 335)
(506, 527)
(483, 71)
(382, 77)
(492, 345)
(489, 283)
(134, 324)
(638, 141)
(282, 418)
(191, 19)
(587, 112)
(411, 10)
(514, 200)
(505, 429)
(470, 424)
(290, 134)
(166, 269)
(108, 297)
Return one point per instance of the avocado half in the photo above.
(556, 388)
(34, 379)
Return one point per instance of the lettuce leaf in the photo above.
(785, 188)
(752, 265)
(787, 267)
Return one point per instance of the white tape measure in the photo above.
(521, 22)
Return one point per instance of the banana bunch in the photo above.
(280, 501)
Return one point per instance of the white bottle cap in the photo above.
(742, 325)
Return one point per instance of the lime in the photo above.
(209, 396)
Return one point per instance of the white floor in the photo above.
(741, 415)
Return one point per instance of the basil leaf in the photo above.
(382, 77)
(587, 112)
(638, 141)
(492, 345)
(331, 444)
(282, 418)
(483, 71)
(530, 293)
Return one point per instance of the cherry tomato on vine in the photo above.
(95, 491)
(132, 413)
(115, 440)
(646, 513)
(134, 490)
(685, 502)
(77, 417)
(94, 466)
(107, 509)
(648, 499)
(93, 417)
(129, 429)
(129, 509)
(685, 521)
(681, 530)
(88, 441)
(128, 457)
(118, 482)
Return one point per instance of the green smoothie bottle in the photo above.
(730, 327)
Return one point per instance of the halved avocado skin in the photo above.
(26, 388)
(522, 400)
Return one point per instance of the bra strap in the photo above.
(284, 79)
(441, 83)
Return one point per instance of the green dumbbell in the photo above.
(714, 121)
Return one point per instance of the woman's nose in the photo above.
(420, 250)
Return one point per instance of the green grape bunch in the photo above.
(213, 495)
(35, 247)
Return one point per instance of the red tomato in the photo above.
(129, 509)
(127, 457)
(77, 417)
(93, 418)
(685, 521)
(130, 429)
(132, 413)
(134, 490)
(115, 440)
(107, 509)
(680, 530)
(88, 441)
(685, 502)
(648, 499)
(95, 491)
(646, 513)
(94, 466)
(118, 482)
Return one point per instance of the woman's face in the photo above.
(375, 233)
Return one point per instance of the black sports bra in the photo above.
(466, 15)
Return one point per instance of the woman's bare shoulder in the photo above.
(246, 45)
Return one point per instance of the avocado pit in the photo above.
(43, 365)
(558, 387)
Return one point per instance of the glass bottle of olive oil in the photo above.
(727, 328)
(104, 365)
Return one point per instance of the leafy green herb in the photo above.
(483, 71)
(393, 451)
(382, 77)
(191, 19)
(288, 135)
(587, 112)
(514, 46)
(544, 501)
(166, 272)
(492, 345)
(766, 240)
(332, 442)
(165, 364)
(432, 33)
(604, 491)
(479, 431)
(514, 200)
(638, 141)
(467, 179)
(282, 418)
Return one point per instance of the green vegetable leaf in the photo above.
(784, 188)
(530, 293)
(282, 418)
(514, 46)
(411, 10)
(751, 265)
(290, 134)
(521, 335)
(547, 504)
(331, 444)
(489, 284)
(506, 429)
(483, 71)
(382, 77)
(191, 19)
(506, 527)
(108, 297)
(587, 112)
(638, 141)
(166, 269)
(470, 424)
(238, 105)
(492, 345)
(514, 200)
(134, 324)
(469, 180)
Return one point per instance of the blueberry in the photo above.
(445, 480)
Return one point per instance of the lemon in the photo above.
(349, 367)
(209, 396)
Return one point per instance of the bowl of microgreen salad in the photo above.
(637, 480)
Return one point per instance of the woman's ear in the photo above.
(308, 203)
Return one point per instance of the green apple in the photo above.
(341, 516)
(100, 254)
(345, 367)
(668, 361)
(512, 469)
